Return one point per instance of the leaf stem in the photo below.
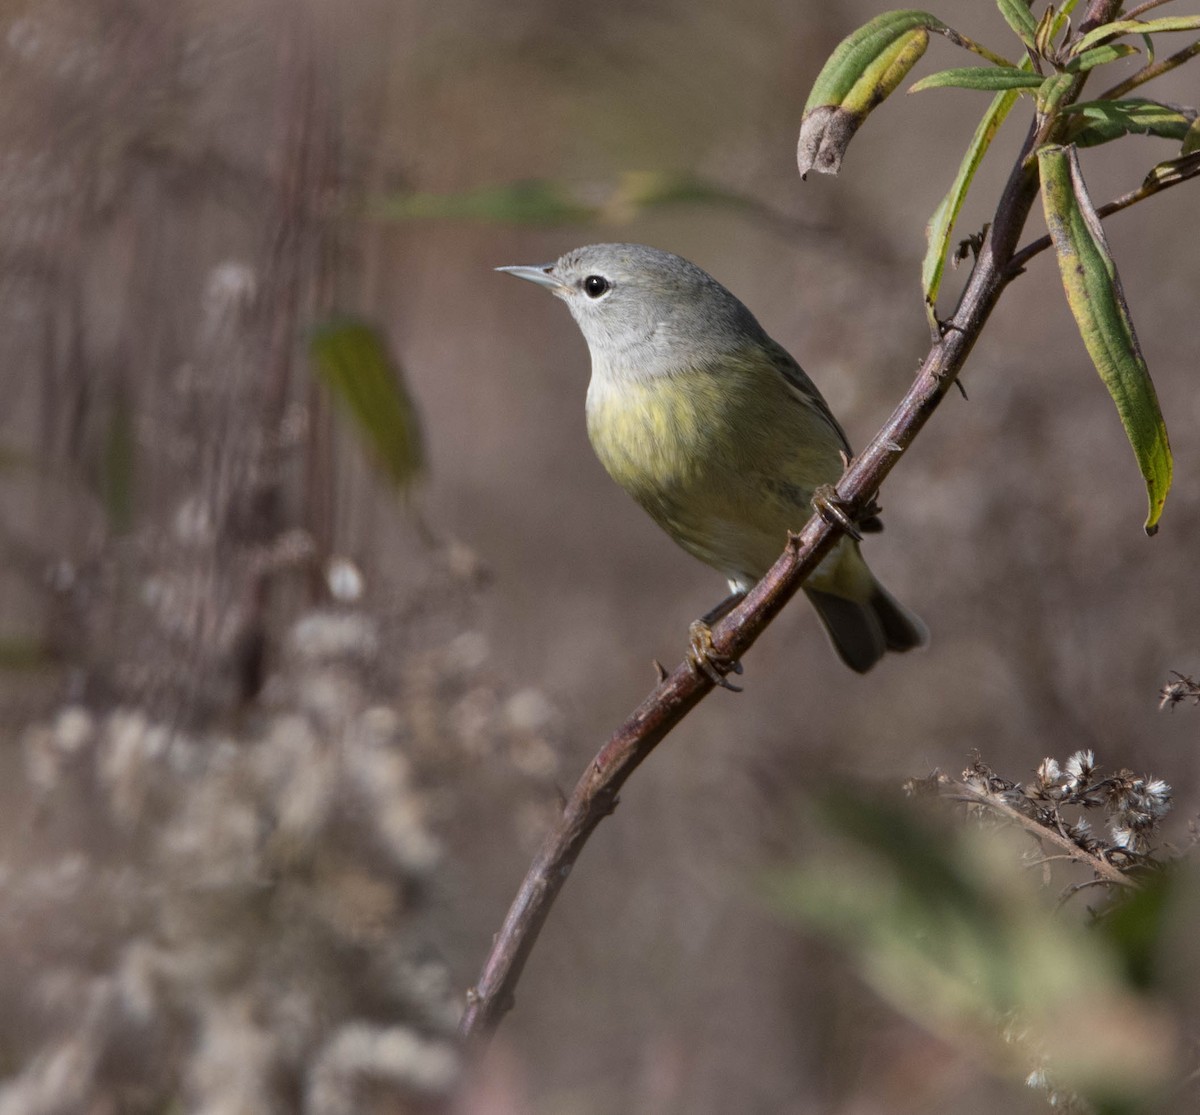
(959, 39)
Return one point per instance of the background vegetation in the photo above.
(255, 841)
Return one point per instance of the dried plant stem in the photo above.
(1105, 871)
(595, 795)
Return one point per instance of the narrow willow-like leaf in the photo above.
(1191, 141)
(941, 225)
(352, 358)
(1135, 27)
(1043, 39)
(1171, 171)
(1097, 302)
(979, 77)
(1018, 16)
(1099, 56)
(863, 71)
(1107, 120)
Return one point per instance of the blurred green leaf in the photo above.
(545, 202)
(352, 359)
(979, 77)
(1136, 924)
(639, 190)
(1135, 27)
(864, 69)
(1099, 56)
(523, 203)
(951, 929)
(14, 458)
(21, 653)
(1108, 120)
(118, 465)
(941, 225)
(1097, 301)
(1018, 16)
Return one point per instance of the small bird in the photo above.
(717, 432)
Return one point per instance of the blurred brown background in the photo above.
(187, 188)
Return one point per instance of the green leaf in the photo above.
(1107, 120)
(864, 69)
(1053, 92)
(118, 465)
(1098, 56)
(1018, 16)
(941, 225)
(1135, 27)
(548, 203)
(639, 190)
(1097, 301)
(980, 77)
(537, 202)
(23, 653)
(352, 359)
(1171, 171)
(1047, 28)
(1191, 141)
(1138, 923)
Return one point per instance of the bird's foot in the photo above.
(833, 509)
(706, 660)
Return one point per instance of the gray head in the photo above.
(645, 311)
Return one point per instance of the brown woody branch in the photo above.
(595, 795)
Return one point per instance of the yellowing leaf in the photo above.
(866, 67)
(1097, 301)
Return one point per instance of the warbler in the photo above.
(716, 431)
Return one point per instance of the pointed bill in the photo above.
(542, 274)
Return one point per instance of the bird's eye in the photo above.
(596, 285)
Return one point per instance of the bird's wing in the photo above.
(805, 390)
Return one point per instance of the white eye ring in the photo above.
(596, 286)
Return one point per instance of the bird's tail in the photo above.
(864, 626)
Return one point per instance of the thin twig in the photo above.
(595, 795)
(1070, 892)
(1150, 72)
(1142, 9)
(1145, 190)
(1104, 870)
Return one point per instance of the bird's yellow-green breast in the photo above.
(724, 459)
